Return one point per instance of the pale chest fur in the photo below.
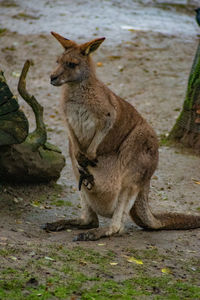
(82, 121)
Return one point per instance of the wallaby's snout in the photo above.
(57, 77)
(53, 79)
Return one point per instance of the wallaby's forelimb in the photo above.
(84, 162)
(85, 177)
(105, 127)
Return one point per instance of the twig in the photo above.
(39, 136)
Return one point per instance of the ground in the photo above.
(150, 70)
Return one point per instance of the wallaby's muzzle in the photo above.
(54, 80)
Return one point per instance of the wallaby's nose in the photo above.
(53, 79)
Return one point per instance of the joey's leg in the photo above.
(117, 222)
(87, 220)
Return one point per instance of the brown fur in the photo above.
(113, 148)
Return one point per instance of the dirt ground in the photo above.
(150, 70)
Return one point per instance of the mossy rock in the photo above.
(25, 157)
(13, 122)
(20, 164)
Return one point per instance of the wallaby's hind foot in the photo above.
(69, 224)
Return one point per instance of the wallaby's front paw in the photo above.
(84, 161)
(86, 179)
(88, 184)
(93, 163)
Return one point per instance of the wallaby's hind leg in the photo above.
(124, 204)
(141, 212)
(87, 220)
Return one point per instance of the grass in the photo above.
(54, 198)
(87, 287)
(164, 140)
(25, 16)
(84, 273)
(93, 270)
(8, 3)
(60, 202)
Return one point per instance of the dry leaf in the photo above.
(132, 30)
(13, 257)
(113, 263)
(114, 57)
(46, 206)
(134, 260)
(196, 181)
(101, 244)
(16, 74)
(99, 64)
(18, 221)
(83, 262)
(48, 258)
(166, 271)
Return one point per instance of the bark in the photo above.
(187, 127)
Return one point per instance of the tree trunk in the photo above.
(187, 127)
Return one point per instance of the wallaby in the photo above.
(114, 151)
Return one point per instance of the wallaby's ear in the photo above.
(91, 46)
(63, 41)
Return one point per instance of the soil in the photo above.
(149, 69)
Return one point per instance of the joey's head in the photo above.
(74, 65)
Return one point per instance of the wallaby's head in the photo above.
(74, 65)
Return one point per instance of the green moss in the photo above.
(7, 251)
(8, 3)
(25, 16)
(147, 254)
(61, 202)
(163, 140)
(3, 31)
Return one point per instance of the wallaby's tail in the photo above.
(143, 217)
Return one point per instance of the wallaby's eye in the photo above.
(71, 65)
